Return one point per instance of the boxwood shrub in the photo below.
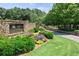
(48, 34)
(16, 45)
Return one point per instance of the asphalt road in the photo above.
(68, 36)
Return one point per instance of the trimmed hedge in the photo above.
(16, 45)
(48, 34)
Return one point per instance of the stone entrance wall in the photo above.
(5, 30)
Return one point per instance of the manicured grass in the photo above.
(57, 47)
(76, 31)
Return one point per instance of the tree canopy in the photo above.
(21, 14)
(63, 14)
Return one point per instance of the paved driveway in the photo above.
(68, 36)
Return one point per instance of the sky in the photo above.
(42, 6)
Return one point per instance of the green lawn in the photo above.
(57, 47)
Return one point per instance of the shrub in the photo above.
(48, 34)
(76, 31)
(37, 30)
(6, 47)
(16, 45)
(3, 37)
(26, 44)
